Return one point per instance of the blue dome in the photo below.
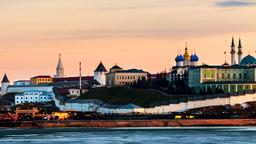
(248, 60)
(179, 58)
(194, 58)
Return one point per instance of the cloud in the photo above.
(236, 3)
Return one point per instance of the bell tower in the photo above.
(59, 69)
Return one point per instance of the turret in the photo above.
(233, 51)
(4, 85)
(240, 52)
(100, 74)
(59, 69)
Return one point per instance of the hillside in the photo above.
(122, 95)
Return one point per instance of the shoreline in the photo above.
(130, 123)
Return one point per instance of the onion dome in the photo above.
(192, 58)
(248, 60)
(177, 59)
(196, 57)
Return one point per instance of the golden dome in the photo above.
(186, 55)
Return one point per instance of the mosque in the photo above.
(233, 77)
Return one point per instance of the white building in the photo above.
(100, 74)
(76, 92)
(33, 97)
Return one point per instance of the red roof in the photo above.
(84, 78)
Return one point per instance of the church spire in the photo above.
(59, 69)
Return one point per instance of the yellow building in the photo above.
(119, 77)
(42, 79)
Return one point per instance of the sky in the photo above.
(143, 34)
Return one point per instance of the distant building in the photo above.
(73, 82)
(100, 74)
(183, 64)
(25, 88)
(33, 97)
(59, 69)
(4, 84)
(119, 77)
(41, 79)
(22, 82)
(229, 78)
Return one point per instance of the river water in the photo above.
(206, 135)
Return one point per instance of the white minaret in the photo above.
(100, 74)
(240, 52)
(5, 83)
(59, 69)
(233, 51)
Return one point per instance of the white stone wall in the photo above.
(100, 77)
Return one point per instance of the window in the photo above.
(222, 75)
(228, 76)
(234, 76)
(205, 76)
(240, 76)
(244, 75)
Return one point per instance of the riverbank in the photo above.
(131, 123)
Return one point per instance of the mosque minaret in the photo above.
(239, 53)
(233, 52)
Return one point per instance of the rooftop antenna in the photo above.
(80, 77)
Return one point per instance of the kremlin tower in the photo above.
(100, 74)
(59, 69)
(4, 85)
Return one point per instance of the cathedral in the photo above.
(186, 59)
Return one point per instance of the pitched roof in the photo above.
(116, 67)
(100, 68)
(5, 79)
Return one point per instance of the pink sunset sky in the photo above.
(144, 34)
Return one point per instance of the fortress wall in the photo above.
(184, 106)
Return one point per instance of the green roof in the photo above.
(248, 60)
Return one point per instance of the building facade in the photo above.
(119, 77)
(41, 79)
(33, 97)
